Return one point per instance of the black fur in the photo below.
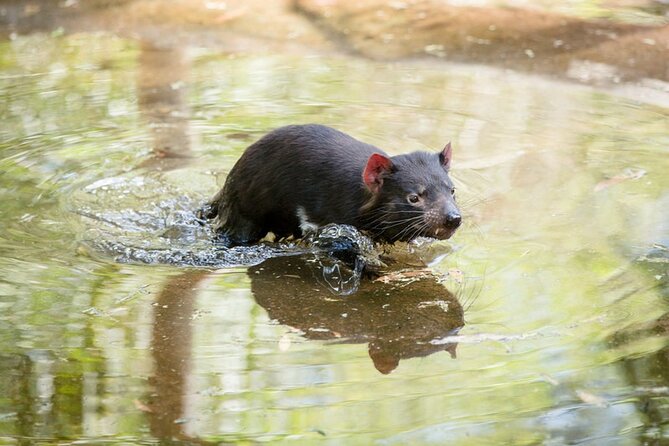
(316, 172)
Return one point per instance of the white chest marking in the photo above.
(305, 225)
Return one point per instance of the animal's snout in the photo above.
(452, 220)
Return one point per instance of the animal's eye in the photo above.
(452, 191)
(413, 198)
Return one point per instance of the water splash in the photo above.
(142, 219)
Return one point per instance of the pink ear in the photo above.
(377, 166)
(445, 156)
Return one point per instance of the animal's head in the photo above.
(412, 196)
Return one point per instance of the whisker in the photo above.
(382, 223)
(415, 229)
(421, 229)
(473, 202)
(378, 219)
(399, 235)
(393, 208)
(406, 222)
(384, 215)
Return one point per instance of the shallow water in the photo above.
(542, 321)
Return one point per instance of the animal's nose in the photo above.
(452, 220)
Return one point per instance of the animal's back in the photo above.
(295, 178)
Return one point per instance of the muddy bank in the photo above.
(529, 40)
(234, 26)
(519, 39)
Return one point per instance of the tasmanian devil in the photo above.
(300, 177)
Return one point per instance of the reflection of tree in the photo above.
(19, 391)
(162, 101)
(51, 393)
(647, 375)
(86, 365)
(171, 350)
(48, 395)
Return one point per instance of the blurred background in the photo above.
(544, 320)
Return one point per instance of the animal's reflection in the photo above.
(398, 318)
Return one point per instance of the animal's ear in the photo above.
(445, 156)
(377, 167)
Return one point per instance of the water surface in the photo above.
(549, 325)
